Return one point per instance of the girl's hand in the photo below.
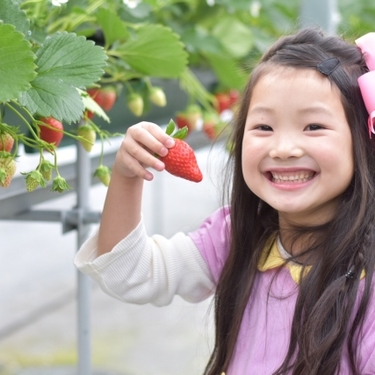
(139, 150)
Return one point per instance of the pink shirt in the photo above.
(264, 335)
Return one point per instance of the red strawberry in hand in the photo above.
(180, 160)
(52, 132)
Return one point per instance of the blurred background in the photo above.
(185, 60)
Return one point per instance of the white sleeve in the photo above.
(142, 269)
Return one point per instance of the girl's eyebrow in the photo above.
(260, 109)
(314, 109)
(317, 109)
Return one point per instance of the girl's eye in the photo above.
(265, 128)
(313, 127)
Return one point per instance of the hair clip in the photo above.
(366, 81)
(328, 66)
(350, 274)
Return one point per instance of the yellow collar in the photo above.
(274, 260)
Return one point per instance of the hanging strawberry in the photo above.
(135, 104)
(157, 96)
(52, 131)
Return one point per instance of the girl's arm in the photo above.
(122, 207)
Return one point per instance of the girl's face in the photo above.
(297, 146)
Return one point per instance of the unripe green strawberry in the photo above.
(46, 169)
(33, 180)
(135, 104)
(88, 134)
(157, 96)
(6, 142)
(7, 168)
(193, 115)
(180, 160)
(103, 173)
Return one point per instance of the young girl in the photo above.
(291, 258)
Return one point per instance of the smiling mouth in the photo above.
(291, 177)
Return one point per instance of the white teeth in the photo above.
(298, 177)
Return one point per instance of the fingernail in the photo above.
(159, 165)
(169, 142)
(163, 151)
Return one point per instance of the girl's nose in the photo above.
(285, 147)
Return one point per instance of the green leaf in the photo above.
(17, 68)
(65, 62)
(227, 71)
(72, 59)
(112, 26)
(91, 105)
(235, 36)
(197, 39)
(48, 97)
(156, 51)
(11, 13)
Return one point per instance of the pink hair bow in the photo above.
(366, 81)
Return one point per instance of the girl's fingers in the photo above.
(152, 137)
(142, 145)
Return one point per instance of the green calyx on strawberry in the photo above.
(88, 136)
(51, 130)
(103, 173)
(135, 104)
(181, 160)
(157, 96)
(59, 184)
(6, 142)
(7, 168)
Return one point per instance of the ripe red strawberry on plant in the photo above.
(52, 132)
(104, 96)
(7, 168)
(6, 142)
(181, 120)
(234, 95)
(180, 160)
(223, 101)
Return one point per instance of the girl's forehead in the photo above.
(295, 90)
(284, 77)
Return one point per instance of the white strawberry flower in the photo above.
(131, 3)
(58, 3)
